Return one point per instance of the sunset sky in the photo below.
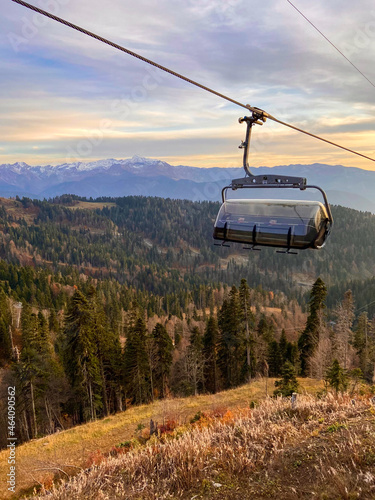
(65, 97)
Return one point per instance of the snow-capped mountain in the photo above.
(350, 187)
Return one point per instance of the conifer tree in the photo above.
(292, 355)
(265, 329)
(225, 344)
(108, 350)
(39, 376)
(136, 364)
(210, 351)
(163, 358)
(44, 340)
(274, 359)
(309, 338)
(30, 329)
(194, 361)
(28, 371)
(231, 342)
(362, 344)
(30, 367)
(288, 384)
(196, 341)
(80, 357)
(53, 323)
(336, 377)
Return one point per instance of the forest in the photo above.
(116, 302)
(165, 246)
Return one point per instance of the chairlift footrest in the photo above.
(221, 244)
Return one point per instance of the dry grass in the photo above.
(90, 205)
(322, 448)
(38, 460)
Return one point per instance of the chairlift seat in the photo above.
(276, 223)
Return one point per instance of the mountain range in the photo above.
(347, 186)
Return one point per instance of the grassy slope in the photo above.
(321, 449)
(39, 459)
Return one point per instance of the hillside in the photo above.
(39, 460)
(321, 448)
(164, 246)
(111, 303)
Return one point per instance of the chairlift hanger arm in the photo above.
(263, 114)
(256, 118)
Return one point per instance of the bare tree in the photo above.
(323, 354)
(194, 364)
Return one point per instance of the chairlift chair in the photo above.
(287, 224)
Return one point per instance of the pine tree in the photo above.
(30, 329)
(210, 352)
(194, 361)
(288, 384)
(53, 321)
(362, 345)
(309, 338)
(163, 358)
(225, 344)
(265, 329)
(80, 357)
(274, 359)
(108, 351)
(28, 371)
(231, 343)
(39, 376)
(336, 377)
(292, 355)
(136, 364)
(44, 340)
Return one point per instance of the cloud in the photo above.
(59, 87)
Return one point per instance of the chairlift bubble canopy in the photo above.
(277, 223)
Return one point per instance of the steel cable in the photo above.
(329, 41)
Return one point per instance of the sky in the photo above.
(65, 97)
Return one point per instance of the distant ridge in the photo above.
(347, 186)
